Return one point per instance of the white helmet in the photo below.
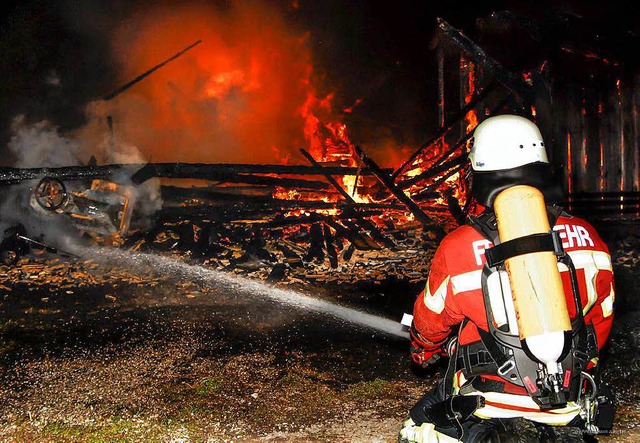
(508, 150)
(505, 142)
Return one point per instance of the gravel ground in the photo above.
(134, 353)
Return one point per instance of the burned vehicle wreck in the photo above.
(104, 209)
(98, 209)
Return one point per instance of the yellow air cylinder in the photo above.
(536, 285)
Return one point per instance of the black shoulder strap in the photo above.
(554, 211)
(486, 225)
(494, 350)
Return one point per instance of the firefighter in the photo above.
(494, 385)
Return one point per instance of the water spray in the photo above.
(243, 286)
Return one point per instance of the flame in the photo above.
(220, 85)
(247, 94)
(330, 143)
(236, 97)
(349, 109)
(471, 118)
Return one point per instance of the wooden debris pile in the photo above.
(67, 276)
(312, 250)
(325, 222)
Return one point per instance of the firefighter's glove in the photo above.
(423, 351)
(425, 358)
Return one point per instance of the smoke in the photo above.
(43, 145)
(40, 145)
(239, 96)
(36, 145)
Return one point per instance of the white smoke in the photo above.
(41, 145)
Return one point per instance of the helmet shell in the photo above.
(508, 150)
(506, 142)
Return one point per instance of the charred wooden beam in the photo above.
(376, 233)
(387, 181)
(10, 176)
(263, 210)
(331, 248)
(364, 224)
(316, 247)
(441, 103)
(440, 164)
(355, 182)
(331, 180)
(288, 205)
(348, 252)
(514, 83)
(205, 171)
(433, 171)
(266, 182)
(456, 211)
(285, 182)
(178, 194)
(426, 193)
(356, 236)
(144, 75)
(370, 228)
(139, 173)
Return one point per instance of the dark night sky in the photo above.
(379, 51)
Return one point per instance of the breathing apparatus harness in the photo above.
(503, 354)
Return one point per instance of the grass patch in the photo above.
(209, 387)
(368, 389)
(61, 430)
(120, 430)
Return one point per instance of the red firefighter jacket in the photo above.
(453, 291)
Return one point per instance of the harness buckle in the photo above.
(506, 367)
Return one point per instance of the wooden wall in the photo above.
(587, 110)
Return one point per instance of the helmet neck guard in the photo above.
(487, 185)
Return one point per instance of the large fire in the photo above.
(242, 96)
(248, 93)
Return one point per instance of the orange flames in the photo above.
(245, 95)
(472, 117)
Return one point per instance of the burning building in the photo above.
(252, 95)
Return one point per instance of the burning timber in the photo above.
(278, 222)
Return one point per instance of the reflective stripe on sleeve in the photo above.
(591, 262)
(584, 258)
(435, 301)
